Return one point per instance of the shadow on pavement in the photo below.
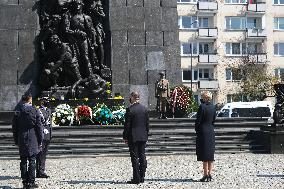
(8, 187)
(93, 182)
(9, 177)
(171, 180)
(272, 176)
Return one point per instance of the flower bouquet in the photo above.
(118, 115)
(102, 114)
(63, 115)
(180, 100)
(83, 115)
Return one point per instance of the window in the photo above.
(203, 48)
(279, 49)
(186, 48)
(254, 23)
(236, 1)
(186, 1)
(233, 74)
(197, 74)
(280, 2)
(186, 75)
(235, 23)
(204, 74)
(279, 73)
(235, 48)
(279, 23)
(187, 22)
(203, 22)
(236, 98)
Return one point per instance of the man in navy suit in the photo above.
(28, 136)
(135, 134)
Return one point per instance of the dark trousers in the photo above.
(28, 170)
(41, 157)
(138, 160)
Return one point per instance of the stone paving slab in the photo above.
(247, 171)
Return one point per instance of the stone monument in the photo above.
(70, 48)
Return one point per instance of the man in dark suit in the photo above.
(135, 134)
(47, 129)
(28, 135)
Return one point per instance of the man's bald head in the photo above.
(134, 97)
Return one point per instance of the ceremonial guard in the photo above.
(162, 93)
(47, 130)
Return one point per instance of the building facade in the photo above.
(214, 35)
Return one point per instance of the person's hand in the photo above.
(125, 141)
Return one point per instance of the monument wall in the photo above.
(143, 41)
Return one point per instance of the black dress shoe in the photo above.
(32, 185)
(133, 182)
(42, 175)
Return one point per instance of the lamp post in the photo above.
(190, 45)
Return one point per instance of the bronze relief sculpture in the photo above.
(71, 48)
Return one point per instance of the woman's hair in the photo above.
(206, 96)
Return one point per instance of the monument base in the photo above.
(275, 136)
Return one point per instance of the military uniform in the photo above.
(47, 130)
(162, 92)
(28, 135)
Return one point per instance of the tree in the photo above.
(256, 82)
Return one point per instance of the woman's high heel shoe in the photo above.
(209, 178)
(204, 178)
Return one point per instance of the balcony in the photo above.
(257, 7)
(260, 58)
(207, 6)
(208, 85)
(211, 33)
(261, 33)
(210, 59)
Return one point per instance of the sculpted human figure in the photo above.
(95, 9)
(58, 62)
(81, 36)
(93, 86)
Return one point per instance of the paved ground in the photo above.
(175, 172)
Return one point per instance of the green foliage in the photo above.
(255, 81)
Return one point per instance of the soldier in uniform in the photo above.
(28, 136)
(47, 130)
(162, 93)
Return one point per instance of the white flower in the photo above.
(58, 114)
(62, 121)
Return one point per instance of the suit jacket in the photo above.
(46, 122)
(136, 127)
(27, 130)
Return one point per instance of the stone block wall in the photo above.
(18, 68)
(144, 42)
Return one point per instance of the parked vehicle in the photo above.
(247, 109)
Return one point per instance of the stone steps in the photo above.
(171, 136)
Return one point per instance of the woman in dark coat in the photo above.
(205, 141)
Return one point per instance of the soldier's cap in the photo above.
(161, 73)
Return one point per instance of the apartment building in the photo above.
(214, 35)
